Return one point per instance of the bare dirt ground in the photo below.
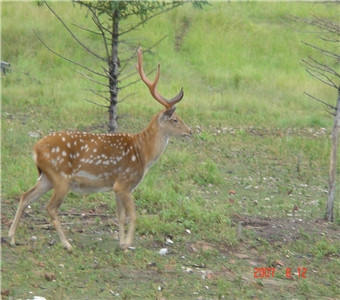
(287, 230)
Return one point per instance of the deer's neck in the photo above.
(152, 142)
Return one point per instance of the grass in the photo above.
(260, 148)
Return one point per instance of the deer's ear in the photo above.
(169, 113)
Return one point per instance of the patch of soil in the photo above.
(287, 230)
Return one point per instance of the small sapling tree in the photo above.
(324, 66)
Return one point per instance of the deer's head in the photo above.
(168, 121)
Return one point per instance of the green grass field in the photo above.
(259, 154)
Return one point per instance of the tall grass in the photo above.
(241, 64)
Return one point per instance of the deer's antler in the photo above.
(153, 85)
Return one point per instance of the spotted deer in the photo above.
(88, 163)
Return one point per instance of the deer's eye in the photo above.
(175, 121)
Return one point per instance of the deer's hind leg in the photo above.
(40, 188)
(60, 191)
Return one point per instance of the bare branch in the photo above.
(98, 94)
(127, 96)
(107, 73)
(323, 25)
(313, 73)
(331, 112)
(73, 35)
(323, 51)
(150, 17)
(330, 40)
(86, 29)
(129, 84)
(319, 100)
(65, 58)
(101, 105)
(126, 61)
(319, 66)
(91, 79)
(132, 74)
(98, 91)
(96, 20)
(326, 24)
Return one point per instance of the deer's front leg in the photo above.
(131, 212)
(125, 206)
(121, 219)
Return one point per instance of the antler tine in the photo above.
(152, 85)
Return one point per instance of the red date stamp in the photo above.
(270, 272)
(264, 272)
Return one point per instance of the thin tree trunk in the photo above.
(113, 72)
(333, 163)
